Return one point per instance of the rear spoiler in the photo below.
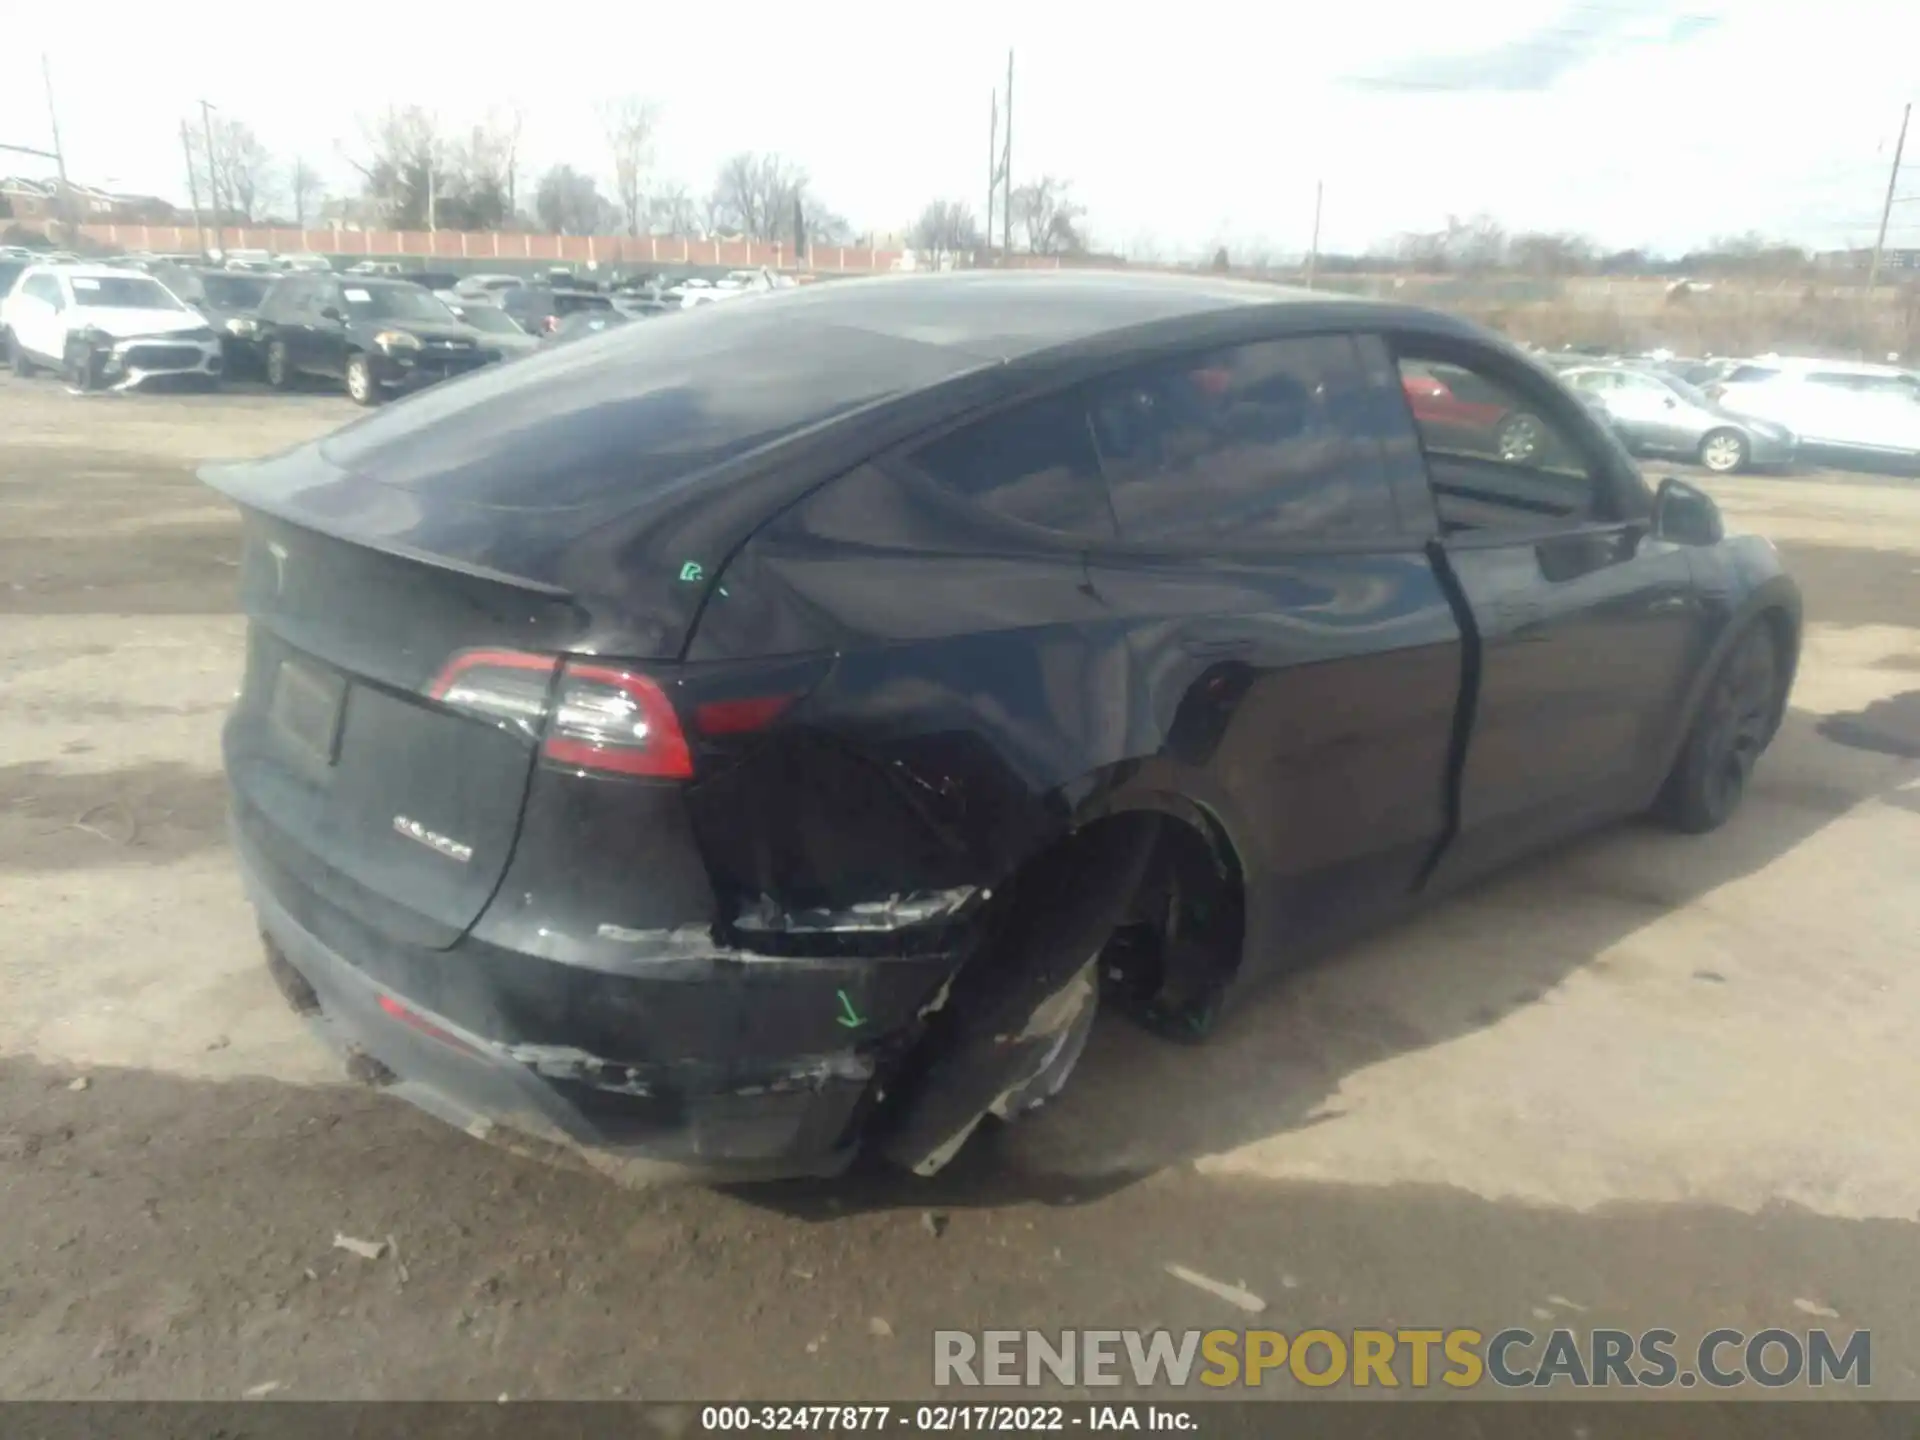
(246, 483)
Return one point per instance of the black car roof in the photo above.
(1002, 316)
(693, 389)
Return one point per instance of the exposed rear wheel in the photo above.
(1724, 452)
(1710, 777)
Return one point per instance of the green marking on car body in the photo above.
(848, 1016)
(691, 570)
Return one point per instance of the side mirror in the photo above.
(331, 312)
(1686, 514)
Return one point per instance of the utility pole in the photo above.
(1886, 210)
(193, 189)
(993, 166)
(213, 181)
(433, 195)
(1313, 251)
(1006, 171)
(53, 123)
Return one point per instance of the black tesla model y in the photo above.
(773, 730)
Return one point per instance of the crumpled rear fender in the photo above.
(1019, 1001)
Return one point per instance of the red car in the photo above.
(1457, 407)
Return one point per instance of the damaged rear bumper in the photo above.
(734, 1112)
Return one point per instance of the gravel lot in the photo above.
(1644, 1081)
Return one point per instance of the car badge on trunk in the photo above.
(432, 839)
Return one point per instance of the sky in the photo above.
(1649, 123)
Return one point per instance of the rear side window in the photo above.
(1263, 443)
(1034, 464)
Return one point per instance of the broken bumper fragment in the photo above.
(692, 1055)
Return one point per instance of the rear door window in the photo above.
(1258, 445)
(1034, 464)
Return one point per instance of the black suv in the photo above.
(781, 729)
(378, 335)
(541, 308)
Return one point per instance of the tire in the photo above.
(1733, 726)
(279, 371)
(362, 388)
(1724, 452)
(1518, 438)
(80, 371)
(17, 357)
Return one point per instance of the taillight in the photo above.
(508, 687)
(599, 717)
(550, 324)
(739, 717)
(616, 722)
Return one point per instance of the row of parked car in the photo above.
(1737, 414)
(373, 329)
(377, 330)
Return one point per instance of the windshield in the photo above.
(235, 291)
(485, 317)
(121, 292)
(1687, 391)
(395, 302)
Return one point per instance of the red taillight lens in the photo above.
(739, 717)
(550, 324)
(590, 716)
(615, 722)
(508, 687)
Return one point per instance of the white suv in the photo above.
(104, 326)
(1835, 404)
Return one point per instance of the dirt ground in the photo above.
(1644, 1081)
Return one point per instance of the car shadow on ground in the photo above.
(1137, 1104)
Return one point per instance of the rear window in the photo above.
(568, 303)
(623, 415)
(1749, 374)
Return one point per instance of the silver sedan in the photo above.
(1664, 415)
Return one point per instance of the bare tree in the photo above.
(305, 189)
(402, 150)
(630, 124)
(671, 210)
(1552, 255)
(240, 166)
(945, 227)
(569, 203)
(1044, 211)
(754, 194)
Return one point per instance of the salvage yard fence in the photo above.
(504, 245)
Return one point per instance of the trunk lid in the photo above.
(346, 773)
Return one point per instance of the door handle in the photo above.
(1667, 604)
